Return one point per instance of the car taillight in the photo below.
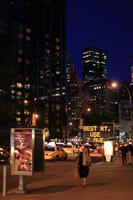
(51, 153)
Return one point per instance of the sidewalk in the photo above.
(106, 181)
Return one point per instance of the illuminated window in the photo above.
(58, 107)
(18, 119)
(19, 85)
(26, 112)
(27, 62)
(41, 72)
(20, 35)
(47, 51)
(27, 86)
(27, 94)
(19, 93)
(28, 30)
(18, 113)
(57, 72)
(46, 121)
(57, 83)
(57, 40)
(20, 51)
(27, 78)
(19, 60)
(28, 38)
(47, 36)
(12, 91)
(13, 97)
(12, 3)
(47, 105)
(57, 47)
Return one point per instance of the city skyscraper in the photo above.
(94, 65)
(38, 30)
(94, 77)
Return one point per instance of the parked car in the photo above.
(68, 148)
(61, 154)
(50, 153)
(54, 153)
(4, 156)
(75, 148)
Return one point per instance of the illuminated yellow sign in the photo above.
(96, 134)
(97, 128)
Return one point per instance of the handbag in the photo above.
(88, 161)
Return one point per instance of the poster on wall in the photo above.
(22, 152)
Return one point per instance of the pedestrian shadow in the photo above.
(98, 184)
(51, 189)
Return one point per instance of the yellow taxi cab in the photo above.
(68, 148)
(61, 154)
(50, 153)
(75, 148)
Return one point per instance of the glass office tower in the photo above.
(38, 30)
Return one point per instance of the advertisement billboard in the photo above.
(22, 144)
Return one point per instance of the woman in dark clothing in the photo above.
(83, 165)
(124, 150)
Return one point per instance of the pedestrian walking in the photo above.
(130, 152)
(84, 162)
(124, 150)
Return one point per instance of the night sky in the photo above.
(104, 24)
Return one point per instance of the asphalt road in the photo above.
(110, 181)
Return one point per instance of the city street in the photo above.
(110, 181)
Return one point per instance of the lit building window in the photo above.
(18, 113)
(58, 130)
(19, 93)
(58, 107)
(28, 38)
(27, 94)
(57, 47)
(26, 112)
(28, 30)
(27, 86)
(18, 119)
(12, 3)
(46, 121)
(13, 97)
(19, 85)
(20, 51)
(47, 51)
(27, 78)
(41, 72)
(27, 62)
(12, 91)
(58, 84)
(57, 40)
(20, 35)
(19, 60)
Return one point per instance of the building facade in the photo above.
(38, 29)
(94, 77)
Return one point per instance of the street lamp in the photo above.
(81, 121)
(34, 116)
(115, 85)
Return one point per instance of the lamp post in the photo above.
(34, 116)
(81, 121)
(130, 102)
(115, 85)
